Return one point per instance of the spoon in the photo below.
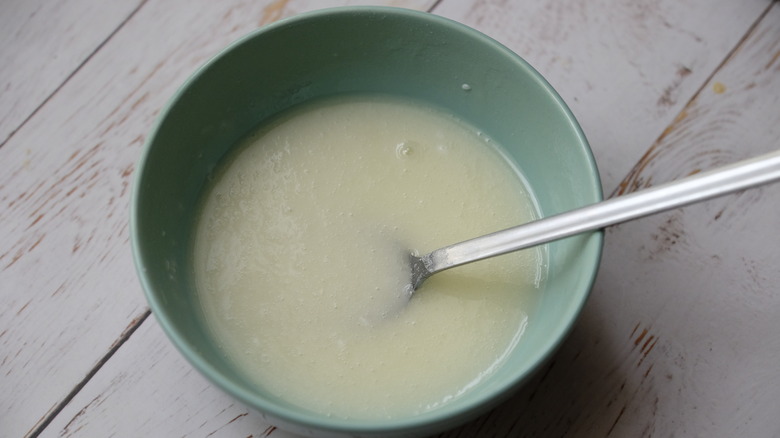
(702, 186)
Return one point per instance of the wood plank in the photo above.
(67, 278)
(625, 68)
(43, 43)
(160, 395)
(680, 334)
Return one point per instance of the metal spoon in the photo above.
(742, 175)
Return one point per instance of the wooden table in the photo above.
(681, 336)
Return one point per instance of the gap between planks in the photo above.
(73, 73)
(433, 6)
(47, 419)
(624, 185)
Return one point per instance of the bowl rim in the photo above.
(300, 416)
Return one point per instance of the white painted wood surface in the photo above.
(678, 338)
(43, 44)
(625, 68)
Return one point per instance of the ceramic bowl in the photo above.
(351, 50)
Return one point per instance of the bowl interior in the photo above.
(376, 50)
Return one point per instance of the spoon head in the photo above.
(420, 271)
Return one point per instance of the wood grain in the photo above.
(66, 273)
(43, 44)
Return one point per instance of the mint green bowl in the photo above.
(345, 50)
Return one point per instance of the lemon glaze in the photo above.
(301, 267)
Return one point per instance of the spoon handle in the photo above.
(742, 175)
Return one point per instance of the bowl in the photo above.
(352, 50)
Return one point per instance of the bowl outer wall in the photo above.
(350, 50)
